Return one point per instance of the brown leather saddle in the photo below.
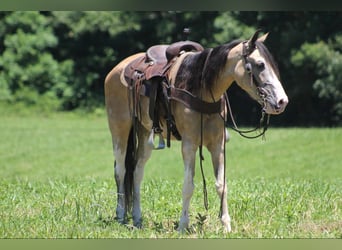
(148, 72)
(157, 60)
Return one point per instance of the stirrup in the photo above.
(161, 143)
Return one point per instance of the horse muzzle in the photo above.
(275, 107)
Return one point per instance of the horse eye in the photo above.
(248, 67)
(261, 65)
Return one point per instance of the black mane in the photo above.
(189, 75)
(190, 72)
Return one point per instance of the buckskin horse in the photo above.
(189, 82)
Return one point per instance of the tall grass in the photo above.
(57, 182)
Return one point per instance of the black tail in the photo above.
(130, 162)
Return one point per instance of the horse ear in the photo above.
(254, 38)
(262, 38)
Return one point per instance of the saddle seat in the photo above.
(157, 54)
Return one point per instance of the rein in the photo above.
(245, 133)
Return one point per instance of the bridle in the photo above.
(248, 49)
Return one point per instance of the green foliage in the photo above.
(28, 70)
(89, 40)
(93, 21)
(230, 28)
(325, 63)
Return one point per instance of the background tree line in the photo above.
(58, 60)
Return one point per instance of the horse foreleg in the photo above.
(189, 153)
(217, 155)
(144, 153)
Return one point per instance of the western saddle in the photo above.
(147, 75)
(158, 59)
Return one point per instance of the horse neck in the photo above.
(225, 78)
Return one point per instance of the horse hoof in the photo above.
(138, 224)
(182, 230)
(227, 229)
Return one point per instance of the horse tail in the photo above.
(130, 162)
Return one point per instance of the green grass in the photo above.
(57, 182)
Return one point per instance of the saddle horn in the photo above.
(186, 33)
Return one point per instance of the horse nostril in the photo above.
(281, 103)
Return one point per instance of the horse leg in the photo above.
(144, 153)
(217, 155)
(119, 112)
(119, 148)
(189, 154)
(120, 125)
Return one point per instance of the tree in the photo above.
(87, 38)
(28, 72)
(324, 61)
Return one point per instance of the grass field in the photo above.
(57, 182)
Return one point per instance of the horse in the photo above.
(206, 75)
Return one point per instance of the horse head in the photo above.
(257, 74)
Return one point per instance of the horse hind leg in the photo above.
(143, 154)
(119, 175)
(129, 176)
(122, 159)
